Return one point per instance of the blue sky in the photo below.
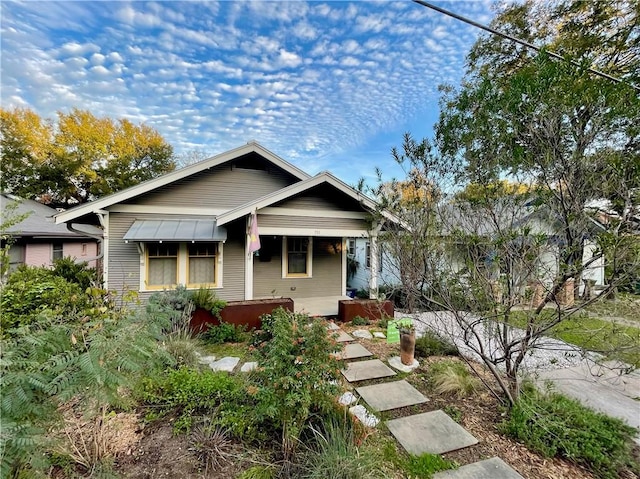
(325, 85)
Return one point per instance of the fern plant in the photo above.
(50, 362)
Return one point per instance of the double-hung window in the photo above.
(297, 256)
(57, 251)
(191, 264)
(202, 264)
(162, 265)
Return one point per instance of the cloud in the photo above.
(313, 82)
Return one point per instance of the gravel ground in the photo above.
(548, 353)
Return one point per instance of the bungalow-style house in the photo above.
(38, 241)
(359, 265)
(194, 227)
(512, 219)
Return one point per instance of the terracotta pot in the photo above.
(407, 348)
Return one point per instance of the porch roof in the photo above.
(175, 230)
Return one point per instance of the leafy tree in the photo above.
(79, 158)
(550, 124)
(553, 122)
(8, 219)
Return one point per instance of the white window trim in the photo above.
(285, 259)
(183, 269)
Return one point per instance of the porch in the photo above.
(320, 306)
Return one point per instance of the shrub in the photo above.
(555, 425)
(92, 362)
(453, 378)
(78, 273)
(30, 291)
(225, 333)
(295, 374)
(359, 321)
(172, 309)
(431, 344)
(334, 454)
(383, 323)
(206, 298)
(183, 348)
(188, 392)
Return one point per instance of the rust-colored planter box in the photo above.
(365, 308)
(244, 313)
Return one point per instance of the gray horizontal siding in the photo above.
(326, 270)
(323, 196)
(220, 187)
(124, 259)
(312, 222)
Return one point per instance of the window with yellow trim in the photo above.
(202, 263)
(298, 256)
(162, 261)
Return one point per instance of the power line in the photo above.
(521, 42)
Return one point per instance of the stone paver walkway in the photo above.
(494, 468)
(354, 351)
(433, 432)
(343, 337)
(392, 395)
(364, 370)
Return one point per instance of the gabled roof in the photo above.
(150, 185)
(39, 222)
(321, 178)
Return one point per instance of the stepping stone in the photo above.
(225, 364)
(347, 398)
(248, 367)
(362, 334)
(433, 432)
(385, 396)
(354, 351)
(364, 416)
(379, 334)
(363, 370)
(342, 336)
(331, 326)
(494, 468)
(396, 363)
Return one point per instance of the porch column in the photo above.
(344, 266)
(248, 264)
(374, 260)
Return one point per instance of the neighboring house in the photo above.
(37, 240)
(359, 251)
(537, 221)
(191, 227)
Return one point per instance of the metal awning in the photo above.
(175, 230)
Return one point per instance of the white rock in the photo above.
(248, 367)
(362, 334)
(379, 334)
(332, 326)
(206, 359)
(347, 399)
(396, 363)
(364, 416)
(225, 364)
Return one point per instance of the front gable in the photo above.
(223, 187)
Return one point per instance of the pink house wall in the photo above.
(39, 254)
(80, 252)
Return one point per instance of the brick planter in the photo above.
(244, 313)
(365, 308)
